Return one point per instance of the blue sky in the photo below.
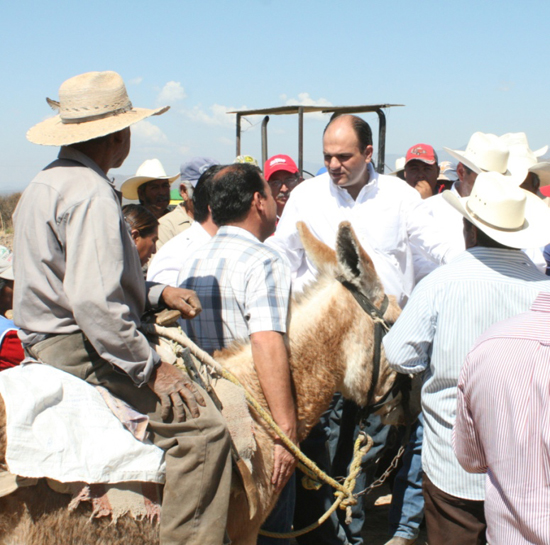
(457, 67)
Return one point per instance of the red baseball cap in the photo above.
(422, 152)
(279, 162)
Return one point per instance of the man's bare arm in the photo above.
(271, 362)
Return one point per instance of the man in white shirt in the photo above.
(168, 261)
(380, 208)
(484, 153)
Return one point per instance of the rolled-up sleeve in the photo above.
(409, 342)
(106, 292)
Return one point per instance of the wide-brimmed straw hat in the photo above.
(522, 158)
(149, 170)
(90, 105)
(502, 210)
(484, 152)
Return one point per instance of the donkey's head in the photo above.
(352, 271)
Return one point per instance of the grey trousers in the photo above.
(198, 460)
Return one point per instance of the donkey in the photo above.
(331, 348)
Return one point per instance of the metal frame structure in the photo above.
(301, 110)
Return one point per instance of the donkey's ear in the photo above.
(318, 252)
(355, 264)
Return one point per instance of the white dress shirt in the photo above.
(168, 261)
(383, 219)
(448, 223)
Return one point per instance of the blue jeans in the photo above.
(330, 446)
(280, 519)
(407, 507)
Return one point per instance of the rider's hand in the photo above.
(186, 301)
(175, 391)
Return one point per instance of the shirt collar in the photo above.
(455, 190)
(72, 154)
(234, 230)
(342, 191)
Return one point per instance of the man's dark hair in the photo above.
(233, 191)
(202, 193)
(360, 127)
(483, 239)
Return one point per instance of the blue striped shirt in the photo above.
(446, 313)
(243, 286)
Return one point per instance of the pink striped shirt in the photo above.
(503, 424)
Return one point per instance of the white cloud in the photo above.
(146, 132)
(304, 99)
(171, 92)
(217, 115)
(135, 81)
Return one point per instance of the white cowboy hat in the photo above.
(522, 158)
(399, 167)
(90, 105)
(151, 169)
(502, 210)
(484, 152)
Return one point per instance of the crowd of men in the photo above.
(461, 247)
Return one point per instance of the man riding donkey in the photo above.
(79, 295)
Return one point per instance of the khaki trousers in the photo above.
(198, 462)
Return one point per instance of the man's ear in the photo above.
(369, 150)
(258, 201)
(460, 171)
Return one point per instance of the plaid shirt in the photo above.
(243, 286)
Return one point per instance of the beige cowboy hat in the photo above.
(502, 210)
(90, 105)
(484, 152)
(149, 170)
(399, 167)
(522, 158)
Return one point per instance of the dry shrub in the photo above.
(7, 207)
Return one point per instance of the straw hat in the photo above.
(484, 152)
(522, 158)
(149, 170)
(90, 105)
(502, 210)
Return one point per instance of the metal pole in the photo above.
(301, 140)
(238, 134)
(265, 121)
(381, 141)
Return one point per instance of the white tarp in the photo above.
(58, 426)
